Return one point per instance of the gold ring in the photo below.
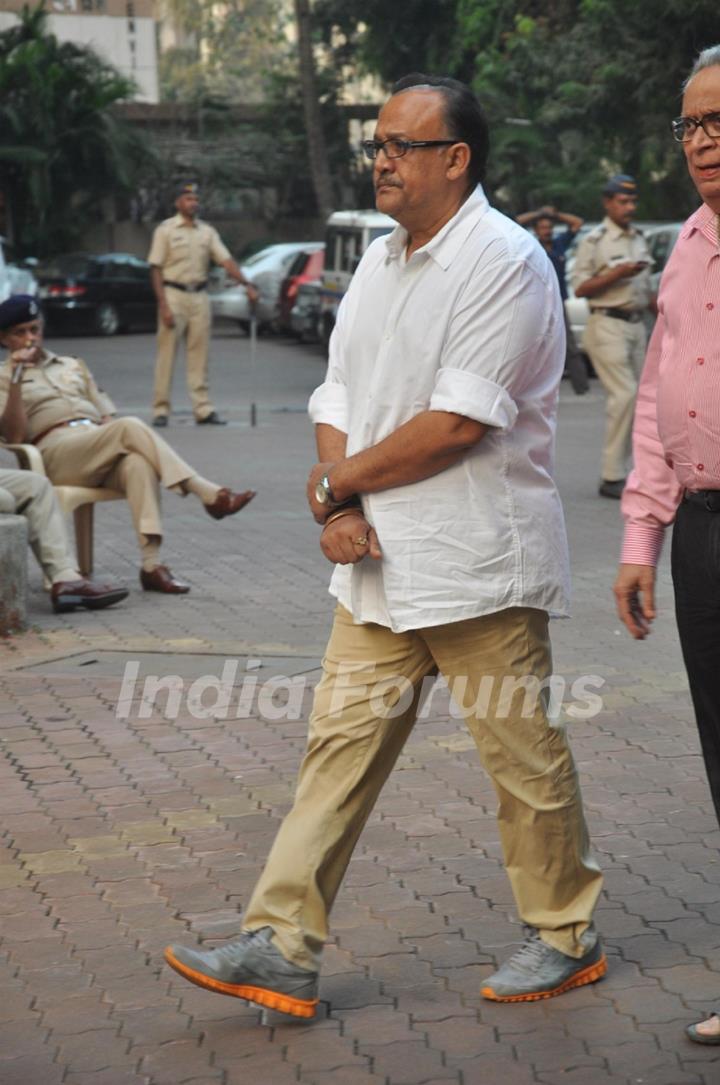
(361, 541)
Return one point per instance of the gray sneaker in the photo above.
(253, 968)
(539, 971)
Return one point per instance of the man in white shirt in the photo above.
(435, 431)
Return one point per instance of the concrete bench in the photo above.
(13, 573)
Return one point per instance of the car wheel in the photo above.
(244, 326)
(107, 319)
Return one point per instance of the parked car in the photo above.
(266, 269)
(661, 241)
(660, 237)
(104, 294)
(305, 315)
(307, 267)
(348, 235)
(14, 278)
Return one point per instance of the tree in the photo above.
(317, 149)
(62, 148)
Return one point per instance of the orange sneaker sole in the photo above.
(272, 1000)
(590, 974)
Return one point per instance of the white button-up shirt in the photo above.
(472, 324)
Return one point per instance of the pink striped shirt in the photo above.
(676, 433)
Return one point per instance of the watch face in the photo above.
(321, 494)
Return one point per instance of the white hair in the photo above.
(707, 59)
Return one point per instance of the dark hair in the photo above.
(464, 117)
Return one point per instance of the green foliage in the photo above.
(62, 149)
(230, 50)
(574, 89)
(391, 40)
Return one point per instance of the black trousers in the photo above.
(696, 577)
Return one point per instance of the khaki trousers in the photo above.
(124, 454)
(192, 323)
(30, 495)
(353, 745)
(617, 351)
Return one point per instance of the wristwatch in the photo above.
(323, 493)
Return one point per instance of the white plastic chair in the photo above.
(78, 500)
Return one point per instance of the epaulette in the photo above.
(596, 233)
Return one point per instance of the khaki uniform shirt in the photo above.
(603, 249)
(183, 251)
(56, 390)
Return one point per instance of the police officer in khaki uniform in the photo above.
(28, 494)
(612, 270)
(54, 402)
(183, 247)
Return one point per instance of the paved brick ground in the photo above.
(123, 832)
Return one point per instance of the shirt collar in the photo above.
(178, 220)
(447, 242)
(704, 220)
(616, 231)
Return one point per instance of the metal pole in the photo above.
(253, 363)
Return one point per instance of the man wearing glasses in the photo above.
(612, 270)
(676, 437)
(435, 433)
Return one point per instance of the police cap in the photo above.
(621, 183)
(187, 188)
(19, 309)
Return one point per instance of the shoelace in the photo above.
(531, 953)
(233, 952)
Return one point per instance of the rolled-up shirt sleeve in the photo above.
(652, 494)
(491, 352)
(329, 403)
(461, 392)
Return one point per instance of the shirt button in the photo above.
(701, 467)
(701, 361)
(692, 414)
(709, 305)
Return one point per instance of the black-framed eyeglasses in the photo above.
(684, 128)
(396, 148)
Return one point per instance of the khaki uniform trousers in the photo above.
(352, 748)
(124, 454)
(192, 323)
(30, 495)
(617, 352)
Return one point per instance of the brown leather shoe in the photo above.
(228, 503)
(161, 579)
(68, 594)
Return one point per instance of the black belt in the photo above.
(185, 287)
(621, 314)
(706, 499)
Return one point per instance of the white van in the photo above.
(348, 234)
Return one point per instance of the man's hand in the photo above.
(629, 269)
(166, 316)
(349, 539)
(26, 356)
(635, 598)
(318, 510)
(252, 292)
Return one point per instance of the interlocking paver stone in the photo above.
(119, 833)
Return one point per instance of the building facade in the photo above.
(123, 32)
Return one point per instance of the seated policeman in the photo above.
(54, 402)
(28, 494)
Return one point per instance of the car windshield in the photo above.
(65, 267)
